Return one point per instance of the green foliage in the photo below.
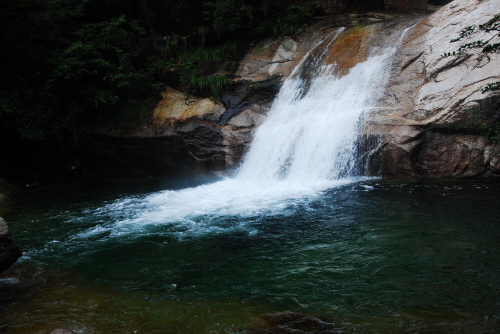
(64, 70)
(252, 88)
(103, 76)
(71, 64)
(208, 55)
(491, 131)
(466, 32)
(191, 63)
(294, 20)
(492, 25)
(247, 19)
(212, 86)
(230, 16)
(474, 120)
(491, 86)
(30, 113)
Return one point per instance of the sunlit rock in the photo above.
(430, 118)
(430, 99)
(177, 105)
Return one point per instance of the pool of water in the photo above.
(370, 256)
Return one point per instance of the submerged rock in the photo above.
(290, 323)
(9, 251)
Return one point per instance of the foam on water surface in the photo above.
(308, 144)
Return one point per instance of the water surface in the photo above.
(371, 256)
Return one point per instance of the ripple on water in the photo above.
(371, 256)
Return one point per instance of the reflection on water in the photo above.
(370, 256)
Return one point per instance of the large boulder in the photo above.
(432, 118)
(9, 251)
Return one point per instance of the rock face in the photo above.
(9, 251)
(187, 135)
(193, 135)
(431, 120)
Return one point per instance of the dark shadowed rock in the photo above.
(9, 251)
(7, 191)
(290, 323)
(62, 331)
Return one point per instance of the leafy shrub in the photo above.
(103, 76)
(492, 25)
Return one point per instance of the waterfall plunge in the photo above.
(312, 131)
(308, 144)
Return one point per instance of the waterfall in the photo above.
(308, 144)
(312, 129)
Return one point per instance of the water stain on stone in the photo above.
(349, 49)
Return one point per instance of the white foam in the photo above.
(307, 145)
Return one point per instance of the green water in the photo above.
(370, 256)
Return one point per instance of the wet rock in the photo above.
(247, 119)
(290, 323)
(62, 331)
(430, 116)
(424, 124)
(9, 251)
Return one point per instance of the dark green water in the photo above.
(371, 256)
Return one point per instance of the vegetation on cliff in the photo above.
(68, 64)
(489, 128)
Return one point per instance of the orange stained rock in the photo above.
(175, 105)
(349, 49)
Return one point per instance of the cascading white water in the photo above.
(312, 136)
(307, 144)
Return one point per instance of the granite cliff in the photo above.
(433, 117)
(426, 124)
